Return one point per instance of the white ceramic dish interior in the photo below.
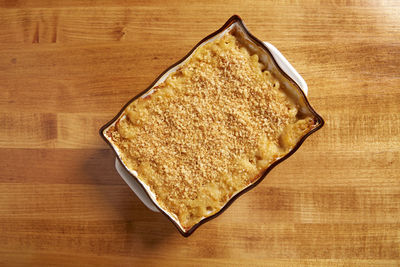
(134, 185)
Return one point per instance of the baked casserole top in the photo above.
(209, 130)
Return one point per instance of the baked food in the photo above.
(209, 130)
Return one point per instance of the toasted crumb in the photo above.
(209, 130)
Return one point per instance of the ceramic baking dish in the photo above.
(277, 65)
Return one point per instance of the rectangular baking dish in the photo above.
(295, 86)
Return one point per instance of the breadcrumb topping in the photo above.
(209, 130)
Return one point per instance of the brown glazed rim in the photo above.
(318, 118)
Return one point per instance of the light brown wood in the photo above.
(67, 67)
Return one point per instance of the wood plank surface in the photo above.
(67, 67)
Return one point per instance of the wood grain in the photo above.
(67, 67)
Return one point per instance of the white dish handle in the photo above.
(287, 67)
(135, 186)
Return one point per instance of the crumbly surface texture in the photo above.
(208, 131)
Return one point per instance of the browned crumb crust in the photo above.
(208, 131)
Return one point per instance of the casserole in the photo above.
(187, 200)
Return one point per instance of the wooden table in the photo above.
(66, 67)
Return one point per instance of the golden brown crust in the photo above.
(208, 131)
